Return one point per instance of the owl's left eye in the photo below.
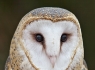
(39, 37)
(64, 37)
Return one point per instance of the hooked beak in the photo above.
(52, 59)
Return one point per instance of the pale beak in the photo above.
(53, 60)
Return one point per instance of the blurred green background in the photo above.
(11, 11)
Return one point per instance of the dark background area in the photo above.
(11, 11)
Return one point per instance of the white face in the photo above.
(50, 44)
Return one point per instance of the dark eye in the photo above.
(39, 37)
(64, 37)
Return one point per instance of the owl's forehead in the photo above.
(49, 26)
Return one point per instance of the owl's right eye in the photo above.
(39, 38)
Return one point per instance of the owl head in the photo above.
(48, 39)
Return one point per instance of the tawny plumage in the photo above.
(47, 38)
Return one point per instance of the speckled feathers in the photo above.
(22, 55)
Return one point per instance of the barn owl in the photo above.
(47, 38)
